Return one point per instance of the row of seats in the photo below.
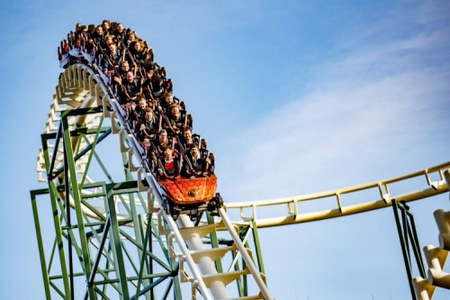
(158, 119)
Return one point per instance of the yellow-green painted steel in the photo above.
(292, 206)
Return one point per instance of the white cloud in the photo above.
(373, 114)
(341, 137)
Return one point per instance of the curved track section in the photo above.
(346, 201)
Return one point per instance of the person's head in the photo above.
(168, 98)
(187, 134)
(169, 84)
(175, 110)
(163, 72)
(125, 66)
(148, 114)
(162, 136)
(142, 103)
(119, 27)
(148, 65)
(79, 27)
(132, 36)
(99, 30)
(106, 25)
(168, 153)
(109, 40)
(194, 150)
(137, 46)
(112, 47)
(129, 76)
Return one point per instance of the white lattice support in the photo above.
(436, 258)
(443, 223)
(423, 289)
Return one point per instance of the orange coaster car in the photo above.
(192, 196)
(184, 191)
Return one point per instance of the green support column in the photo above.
(57, 224)
(117, 245)
(143, 255)
(138, 231)
(214, 242)
(258, 251)
(69, 190)
(77, 199)
(37, 226)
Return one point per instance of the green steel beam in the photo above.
(137, 225)
(37, 226)
(117, 246)
(258, 251)
(239, 284)
(70, 233)
(166, 294)
(57, 224)
(160, 262)
(81, 153)
(39, 192)
(72, 187)
(99, 255)
(141, 273)
(76, 132)
(214, 242)
(149, 287)
(55, 150)
(102, 166)
(76, 197)
(69, 224)
(124, 187)
(133, 278)
(57, 290)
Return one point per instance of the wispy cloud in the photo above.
(376, 111)
(377, 108)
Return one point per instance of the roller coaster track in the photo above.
(99, 221)
(434, 181)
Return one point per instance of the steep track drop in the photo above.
(83, 103)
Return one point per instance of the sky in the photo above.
(294, 97)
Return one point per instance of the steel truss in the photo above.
(110, 238)
(112, 255)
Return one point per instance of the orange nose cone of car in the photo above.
(191, 190)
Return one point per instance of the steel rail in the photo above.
(292, 206)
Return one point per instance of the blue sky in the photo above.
(294, 97)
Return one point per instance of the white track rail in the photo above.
(378, 192)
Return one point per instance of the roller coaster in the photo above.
(152, 234)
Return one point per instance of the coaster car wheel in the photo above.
(215, 204)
